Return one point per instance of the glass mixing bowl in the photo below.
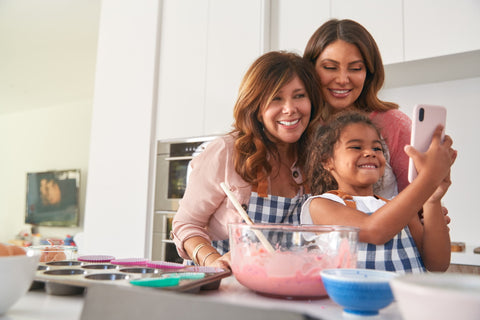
(292, 268)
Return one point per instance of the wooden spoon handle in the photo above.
(246, 218)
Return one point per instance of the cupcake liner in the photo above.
(96, 258)
(164, 265)
(130, 262)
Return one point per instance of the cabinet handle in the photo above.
(178, 158)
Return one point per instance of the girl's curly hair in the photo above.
(322, 145)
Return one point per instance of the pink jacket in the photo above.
(204, 210)
(395, 127)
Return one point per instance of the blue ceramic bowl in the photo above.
(359, 291)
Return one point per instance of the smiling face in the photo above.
(287, 116)
(358, 161)
(342, 72)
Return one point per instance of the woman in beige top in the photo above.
(261, 160)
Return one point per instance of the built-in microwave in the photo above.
(173, 168)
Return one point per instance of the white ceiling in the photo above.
(47, 52)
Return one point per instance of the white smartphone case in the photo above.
(425, 120)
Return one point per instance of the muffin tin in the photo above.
(71, 277)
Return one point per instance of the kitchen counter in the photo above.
(467, 257)
(232, 292)
(231, 300)
(37, 305)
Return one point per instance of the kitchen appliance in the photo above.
(173, 159)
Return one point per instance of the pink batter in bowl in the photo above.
(292, 270)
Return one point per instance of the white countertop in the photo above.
(466, 257)
(232, 292)
(39, 305)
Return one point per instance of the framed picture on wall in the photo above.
(52, 198)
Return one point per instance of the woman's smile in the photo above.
(342, 73)
(287, 116)
(289, 123)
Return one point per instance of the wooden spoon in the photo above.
(246, 218)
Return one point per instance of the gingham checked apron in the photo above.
(264, 208)
(400, 254)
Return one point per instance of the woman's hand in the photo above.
(222, 262)
(441, 190)
(446, 217)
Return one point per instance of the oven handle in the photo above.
(178, 158)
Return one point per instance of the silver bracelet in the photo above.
(195, 252)
(208, 254)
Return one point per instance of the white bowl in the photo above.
(438, 296)
(16, 276)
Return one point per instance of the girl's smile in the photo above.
(358, 161)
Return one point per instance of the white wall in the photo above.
(47, 63)
(462, 98)
(47, 55)
(44, 139)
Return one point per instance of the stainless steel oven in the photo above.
(173, 159)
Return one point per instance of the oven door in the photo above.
(171, 181)
(163, 248)
(173, 168)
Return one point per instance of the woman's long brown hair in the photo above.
(354, 33)
(265, 77)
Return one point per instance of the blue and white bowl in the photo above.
(359, 291)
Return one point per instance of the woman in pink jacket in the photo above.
(261, 160)
(347, 59)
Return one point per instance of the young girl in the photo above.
(346, 160)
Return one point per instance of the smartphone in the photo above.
(426, 118)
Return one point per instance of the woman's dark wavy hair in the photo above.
(354, 33)
(261, 83)
(322, 147)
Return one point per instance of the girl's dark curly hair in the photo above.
(322, 146)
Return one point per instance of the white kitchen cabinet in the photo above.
(383, 19)
(236, 37)
(183, 51)
(293, 22)
(206, 47)
(441, 27)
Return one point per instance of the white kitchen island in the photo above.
(38, 305)
(231, 301)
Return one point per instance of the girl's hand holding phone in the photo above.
(437, 160)
(425, 119)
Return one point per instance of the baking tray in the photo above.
(71, 277)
